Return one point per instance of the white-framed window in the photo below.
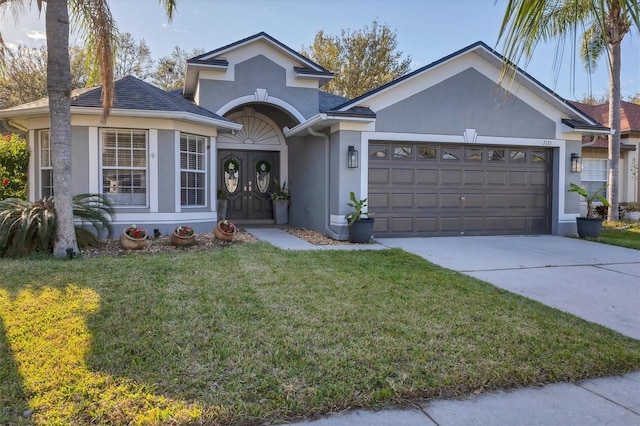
(594, 174)
(125, 166)
(193, 170)
(46, 168)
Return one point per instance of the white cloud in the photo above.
(37, 35)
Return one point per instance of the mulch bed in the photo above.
(206, 241)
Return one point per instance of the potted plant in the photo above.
(183, 236)
(133, 238)
(222, 204)
(590, 225)
(280, 199)
(360, 224)
(224, 230)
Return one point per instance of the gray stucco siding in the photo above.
(307, 182)
(468, 100)
(349, 178)
(80, 165)
(166, 171)
(258, 72)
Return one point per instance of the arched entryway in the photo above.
(249, 163)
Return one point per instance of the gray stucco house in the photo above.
(441, 151)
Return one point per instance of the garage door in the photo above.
(443, 189)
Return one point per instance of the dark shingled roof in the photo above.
(132, 93)
(328, 103)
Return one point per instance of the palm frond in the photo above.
(93, 19)
(95, 209)
(31, 226)
(169, 7)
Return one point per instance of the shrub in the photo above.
(14, 161)
(27, 226)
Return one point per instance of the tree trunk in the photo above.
(614, 124)
(59, 91)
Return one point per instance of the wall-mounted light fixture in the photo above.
(576, 163)
(352, 157)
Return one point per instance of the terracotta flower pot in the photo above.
(178, 240)
(223, 235)
(129, 243)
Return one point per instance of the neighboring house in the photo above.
(595, 150)
(441, 151)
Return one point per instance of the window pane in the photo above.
(539, 156)
(45, 150)
(427, 153)
(124, 158)
(495, 155)
(474, 154)
(450, 153)
(139, 140)
(46, 183)
(193, 170)
(402, 152)
(518, 156)
(594, 170)
(124, 162)
(378, 151)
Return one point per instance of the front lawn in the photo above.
(249, 334)
(620, 234)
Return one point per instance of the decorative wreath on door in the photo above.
(231, 165)
(231, 169)
(263, 175)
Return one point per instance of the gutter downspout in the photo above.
(327, 226)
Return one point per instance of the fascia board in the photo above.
(175, 115)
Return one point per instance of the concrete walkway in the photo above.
(597, 282)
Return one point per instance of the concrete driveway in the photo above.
(597, 282)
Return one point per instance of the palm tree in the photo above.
(93, 18)
(604, 24)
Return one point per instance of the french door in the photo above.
(246, 178)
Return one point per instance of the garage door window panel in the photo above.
(474, 154)
(518, 156)
(495, 155)
(378, 152)
(539, 156)
(404, 152)
(451, 154)
(427, 153)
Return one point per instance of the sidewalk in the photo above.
(609, 400)
(606, 401)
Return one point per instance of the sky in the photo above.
(426, 30)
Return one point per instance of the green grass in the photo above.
(249, 334)
(620, 234)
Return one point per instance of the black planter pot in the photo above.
(589, 227)
(361, 231)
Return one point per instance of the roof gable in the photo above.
(305, 62)
(477, 55)
(222, 61)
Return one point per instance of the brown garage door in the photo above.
(441, 189)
